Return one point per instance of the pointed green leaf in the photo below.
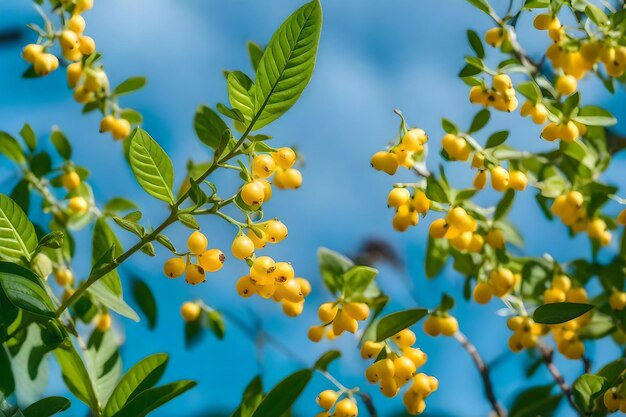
(47, 407)
(153, 398)
(282, 396)
(25, 290)
(151, 165)
(18, 240)
(287, 63)
(392, 323)
(556, 313)
(241, 93)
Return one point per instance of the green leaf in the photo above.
(61, 144)
(209, 126)
(115, 302)
(530, 90)
(282, 396)
(392, 323)
(571, 103)
(332, 267)
(28, 134)
(21, 195)
(596, 14)
(435, 190)
(104, 240)
(11, 148)
(17, 233)
(287, 63)
(476, 43)
(595, 116)
(25, 290)
(47, 407)
(241, 93)
(142, 376)
(556, 313)
(251, 398)
(449, 127)
(52, 240)
(326, 359)
(119, 204)
(436, 256)
(145, 300)
(151, 166)
(133, 116)
(480, 120)
(535, 401)
(7, 382)
(357, 280)
(77, 378)
(256, 53)
(104, 362)
(481, 5)
(586, 389)
(188, 220)
(129, 85)
(497, 138)
(153, 398)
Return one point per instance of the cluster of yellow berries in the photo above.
(496, 36)
(402, 154)
(561, 290)
(273, 231)
(71, 39)
(275, 280)
(339, 317)
(408, 208)
(500, 284)
(328, 399)
(458, 227)
(537, 112)
(566, 130)
(525, 333)
(207, 260)
(577, 62)
(570, 209)
(501, 96)
(456, 147)
(441, 324)
(278, 163)
(398, 368)
(501, 179)
(567, 339)
(615, 398)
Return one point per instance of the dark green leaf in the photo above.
(476, 43)
(209, 126)
(282, 396)
(47, 407)
(436, 256)
(11, 148)
(326, 359)
(556, 313)
(497, 138)
(392, 323)
(144, 298)
(61, 144)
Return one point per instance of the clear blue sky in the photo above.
(374, 56)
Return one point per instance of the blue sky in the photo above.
(373, 57)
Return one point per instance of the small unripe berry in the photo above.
(104, 322)
(64, 277)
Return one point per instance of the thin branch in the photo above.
(484, 373)
(548, 355)
(369, 404)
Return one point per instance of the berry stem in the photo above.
(369, 404)
(548, 354)
(483, 369)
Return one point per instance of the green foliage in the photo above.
(556, 313)
(391, 324)
(151, 166)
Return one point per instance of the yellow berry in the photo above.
(190, 311)
(68, 40)
(518, 180)
(31, 52)
(197, 242)
(252, 193)
(346, 408)
(617, 300)
(104, 322)
(284, 157)
(289, 179)
(70, 180)
(499, 178)
(174, 267)
(370, 349)
(495, 239)
(421, 202)
(482, 293)
(316, 333)
(120, 129)
(326, 399)
(267, 189)
(194, 274)
(414, 140)
(87, 45)
(404, 338)
(263, 166)
(358, 311)
(292, 309)
(245, 286)
(212, 260)
(550, 132)
(76, 24)
(404, 368)
(398, 197)
(432, 325)
(543, 21)
(45, 63)
(385, 161)
(438, 228)
(502, 82)
(495, 36)
(64, 277)
(305, 286)
(78, 205)
(327, 312)
(566, 84)
(107, 122)
(242, 247)
(74, 72)
(275, 231)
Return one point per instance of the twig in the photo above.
(484, 372)
(548, 355)
(369, 404)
